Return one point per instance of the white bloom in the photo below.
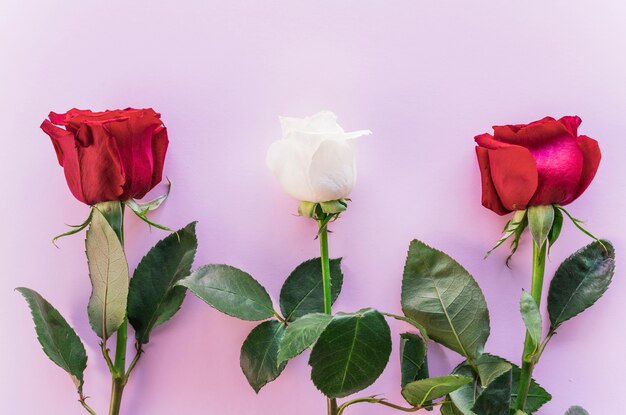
(314, 161)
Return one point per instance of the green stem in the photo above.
(326, 283)
(528, 360)
(116, 395)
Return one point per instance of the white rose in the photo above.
(314, 161)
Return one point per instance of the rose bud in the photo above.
(110, 155)
(314, 161)
(542, 163)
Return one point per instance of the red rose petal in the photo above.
(160, 143)
(490, 198)
(67, 155)
(101, 173)
(514, 175)
(591, 160)
(571, 123)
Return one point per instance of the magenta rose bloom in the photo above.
(110, 155)
(541, 163)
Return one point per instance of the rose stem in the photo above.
(326, 283)
(528, 360)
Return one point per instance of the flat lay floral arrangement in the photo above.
(531, 173)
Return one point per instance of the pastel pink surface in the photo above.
(425, 77)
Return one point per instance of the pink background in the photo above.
(425, 77)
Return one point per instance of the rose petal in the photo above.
(591, 160)
(286, 161)
(160, 143)
(133, 136)
(333, 171)
(533, 134)
(67, 156)
(101, 173)
(571, 123)
(514, 175)
(490, 198)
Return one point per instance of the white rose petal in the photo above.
(314, 161)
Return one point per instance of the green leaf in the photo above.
(301, 334)
(464, 398)
(496, 398)
(532, 318)
(58, 340)
(540, 220)
(576, 410)
(259, 353)
(413, 360)
(580, 281)
(491, 367)
(231, 291)
(441, 295)
(421, 391)
(153, 296)
(414, 323)
(108, 272)
(555, 231)
(351, 353)
(303, 293)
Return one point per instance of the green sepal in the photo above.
(555, 232)
(77, 228)
(513, 228)
(145, 207)
(334, 207)
(307, 209)
(59, 341)
(540, 221)
(577, 223)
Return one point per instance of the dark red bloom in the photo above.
(110, 155)
(541, 163)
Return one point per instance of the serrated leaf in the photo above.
(59, 341)
(231, 291)
(413, 359)
(421, 391)
(413, 323)
(108, 272)
(532, 318)
(259, 353)
(540, 220)
(303, 293)
(491, 367)
(351, 353)
(441, 295)
(153, 296)
(301, 334)
(464, 398)
(580, 281)
(576, 410)
(496, 398)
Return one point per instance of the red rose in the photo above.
(110, 155)
(541, 163)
